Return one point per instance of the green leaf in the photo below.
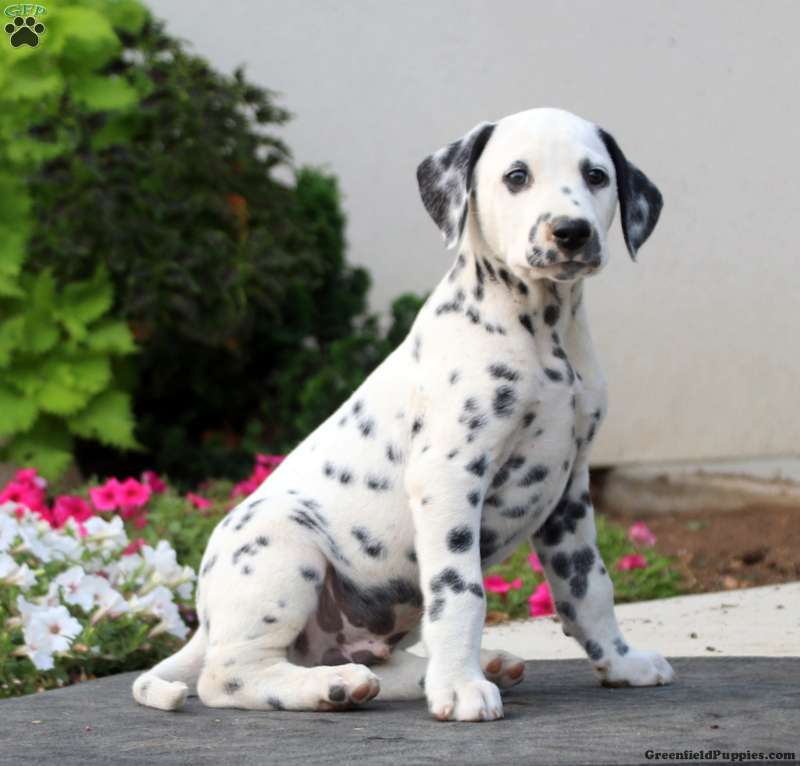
(83, 302)
(46, 447)
(12, 336)
(58, 399)
(41, 331)
(111, 336)
(83, 36)
(108, 419)
(127, 15)
(100, 93)
(13, 251)
(16, 412)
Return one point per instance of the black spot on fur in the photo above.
(533, 475)
(503, 372)
(209, 565)
(564, 519)
(435, 610)
(476, 589)
(366, 427)
(566, 610)
(369, 545)
(561, 565)
(594, 650)
(478, 465)
(504, 399)
(455, 375)
(474, 498)
(551, 314)
(448, 578)
(621, 647)
(554, 375)
(307, 573)
(460, 539)
(416, 426)
(378, 483)
(488, 542)
(275, 703)
(337, 693)
(526, 322)
(269, 619)
(232, 685)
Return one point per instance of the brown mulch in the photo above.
(727, 550)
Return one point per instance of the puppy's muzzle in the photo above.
(570, 242)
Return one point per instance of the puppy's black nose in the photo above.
(571, 233)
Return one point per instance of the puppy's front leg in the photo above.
(584, 595)
(446, 505)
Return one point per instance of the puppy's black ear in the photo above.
(445, 181)
(640, 202)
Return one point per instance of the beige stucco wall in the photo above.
(700, 339)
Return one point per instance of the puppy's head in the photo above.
(540, 189)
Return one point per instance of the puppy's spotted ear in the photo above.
(445, 181)
(640, 202)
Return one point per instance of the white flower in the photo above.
(12, 573)
(159, 603)
(9, 529)
(46, 629)
(106, 536)
(90, 591)
(48, 544)
(126, 569)
(166, 570)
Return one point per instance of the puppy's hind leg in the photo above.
(251, 625)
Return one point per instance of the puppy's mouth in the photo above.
(556, 263)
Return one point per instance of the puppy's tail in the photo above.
(167, 685)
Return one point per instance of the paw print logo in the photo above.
(24, 31)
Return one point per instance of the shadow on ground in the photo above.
(558, 715)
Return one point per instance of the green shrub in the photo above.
(250, 322)
(59, 346)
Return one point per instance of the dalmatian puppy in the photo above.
(473, 436)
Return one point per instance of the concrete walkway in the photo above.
(557, 716)
(756, 622)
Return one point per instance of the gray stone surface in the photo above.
(557, 716)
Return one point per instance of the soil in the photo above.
(727, 550)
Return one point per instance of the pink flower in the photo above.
(133, 494)
(640, 533)
(533, 560)
(540, 602)
(106, 496)
(71, 507)
(197, 501)
(632, 561)
(154, 481)
(140, 520)
(265, 465)
(133, 546)
(499, 584)
(27, 488)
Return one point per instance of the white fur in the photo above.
(472, 420)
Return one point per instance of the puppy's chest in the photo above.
(535, 467)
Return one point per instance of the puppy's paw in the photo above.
(635, 668)
(477, 700)
(502, 668)
(346, 685)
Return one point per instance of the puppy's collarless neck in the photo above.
(485, 278)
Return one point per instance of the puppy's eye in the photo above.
(516, 178)
(596, 177)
